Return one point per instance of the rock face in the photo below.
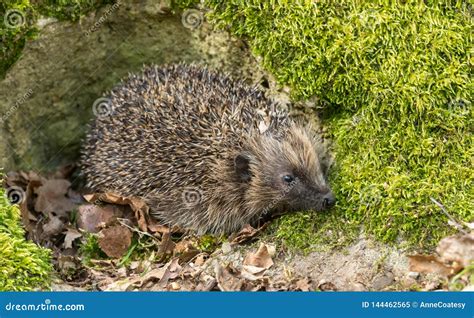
(48, 95)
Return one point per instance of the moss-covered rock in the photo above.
(23, 265)
(19, 22)
(49, 93)
(396, 80)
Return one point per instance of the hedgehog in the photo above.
(204, 151)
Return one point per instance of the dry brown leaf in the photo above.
(430, 264)
(28, 216)
(141, 213)
(53, 227)
(303, 284)
(172, 271)
(185, 251)
(92, 217)
(71, 235)
(252, 273)
(21, 178)
(247, 234)
(167, 245)
(153, 275)
(137, 282)
(457, 248)
(228, 278)
(325, 285)
(155, 227)
(174, 286)
(117, 285)
(139, 267)
(138, 206)
(207, 283)
(115, 240)
(105, 197)
(163, 275)
(260, 259)
(68, 266)
(52, 197)
(201, 259)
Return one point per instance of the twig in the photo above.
(123, 222)
(456, 223)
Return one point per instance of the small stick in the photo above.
(123, 222)
(456, 223)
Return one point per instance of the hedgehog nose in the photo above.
(328, 200)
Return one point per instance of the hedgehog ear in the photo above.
(242, 167)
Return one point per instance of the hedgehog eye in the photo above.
(288, 178)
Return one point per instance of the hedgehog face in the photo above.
(286, 173)
(302, 176)
(298, 192)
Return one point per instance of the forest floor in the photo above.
(108, 242)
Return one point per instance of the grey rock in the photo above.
(47, 96)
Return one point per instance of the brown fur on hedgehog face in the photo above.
(285, 174)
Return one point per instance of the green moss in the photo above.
(209, 243)
(23, 265)
(18, 22)
(396, 81)
(69, 9)
(90, 249)
(184, 4)
(16, 26)
(457, 283)
(308, 231)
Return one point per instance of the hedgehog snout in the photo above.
(328, 200)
